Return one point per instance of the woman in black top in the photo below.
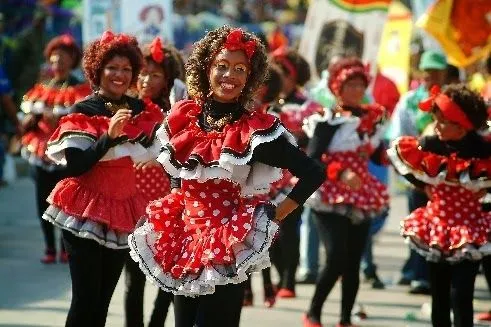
(203, 240)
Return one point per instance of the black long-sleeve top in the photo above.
(80, 161)
(324, 133)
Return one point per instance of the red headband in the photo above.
(156, 50)
(234, 42)
(108, 37)
(279, 55)
(449, 109)
(337, 80)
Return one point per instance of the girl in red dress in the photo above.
(344, 139)
(161, 67)
(454, 168)
(202, 241)
(98, 205)
(43, 105)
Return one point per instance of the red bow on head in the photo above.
(67, 39)
(234, 42)
(156, 50)
(449, 109)
(109, 36)
(279, 55)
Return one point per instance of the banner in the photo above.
(144, 19)
(394, 52)
(462, 27)
(348, 27)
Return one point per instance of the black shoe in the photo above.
(404, 281)
(307, 279)
(377, 284)
(424, 290)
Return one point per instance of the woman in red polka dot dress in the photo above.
(344, 139)
(454, 168)
(156, 80)
(202, 241)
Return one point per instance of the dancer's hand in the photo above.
(351, 179)
(117, 123)
(147, 164)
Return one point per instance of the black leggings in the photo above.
(266, 280)
(45, 182)
(220, 309)
(95, 271)
(285, 252)
(344, 243)
(452, 286)
(133, 301)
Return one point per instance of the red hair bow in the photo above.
(108, 37)
(156, 50)
(67, 39)
(427, 104)
(234, 42)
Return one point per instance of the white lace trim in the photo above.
(465, 252)
(255, 179)
(464, 179)
(251, 255)
(85, 228)
(136, 151)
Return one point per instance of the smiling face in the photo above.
(228, 75)
(151, 81)
(116, 77)
(352, 91)
(61, 63)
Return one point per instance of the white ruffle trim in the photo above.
(251, 255)
(254, 179)
(346, 137)
(34, 160)
(137, 152)
(466, 252)
(356, 215)
(85, 228)
(464, 179)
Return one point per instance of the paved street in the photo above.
(32, 294)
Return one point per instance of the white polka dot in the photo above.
(227, 258)
(458, 215)
(216, 181)
(217, 250)
(203, 195)
(250, 210)
(212, 240)
(247, 226)
(224, 221)
(187, 194)
(158, 204)
(215, 195)
(195, 204)
(192, 221)
(184, 255)
(176, 257)
(157, 216)
(188, 212)
(234, 217)
(166, 211)
(225, 190)
(191, 187)
(190, 238)
(216, 212)
(169, 201)
(236, 201)
(226, 203)
(167, 223)
(201, 213)
(208, 223)
(213, 230)
(173, 244)
(198, 231)
(235, 228)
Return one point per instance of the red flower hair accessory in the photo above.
(67, 39)
(234, 42)
(108, 37)
(280, 56)
(449, 109)
(156, 50)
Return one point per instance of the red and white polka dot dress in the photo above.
(152, 182)
(453, 225)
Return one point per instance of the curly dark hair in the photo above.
(471, 103)
(66, 43)
(273, 82)
(96, 56)
(298, 61)
(203, 54)
(172, 66)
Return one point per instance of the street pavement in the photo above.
(32, 294)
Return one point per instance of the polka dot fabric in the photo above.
(333, 195)
(152, 182)
(452, 220)
(206, 227)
